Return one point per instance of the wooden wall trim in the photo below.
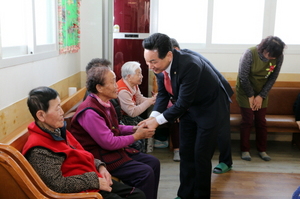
(17, 115)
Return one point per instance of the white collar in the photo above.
(168, 69)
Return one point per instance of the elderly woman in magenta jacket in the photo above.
(95, 126)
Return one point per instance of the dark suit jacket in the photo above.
(197, 90)
(221, 77)
(297, 108)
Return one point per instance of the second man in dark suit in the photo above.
(201, 103)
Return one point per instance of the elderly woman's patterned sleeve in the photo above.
(99, 163)
(48, 164)
(244, 71)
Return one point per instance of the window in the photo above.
(287, 21)
(234, 22)
(186, 25)
(13, 39)
(27, 31)
(229, 26)
(45, 32)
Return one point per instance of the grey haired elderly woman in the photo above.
(132, 102)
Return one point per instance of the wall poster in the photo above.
(69, 31)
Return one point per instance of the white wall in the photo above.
(91, 27)
(17, 81)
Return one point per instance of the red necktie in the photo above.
(167, 82)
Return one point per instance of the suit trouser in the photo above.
(174, 132)
(142, 172)
(260, 128)
(196, 150)
(224, 142)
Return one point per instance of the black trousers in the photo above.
(198, 139)
(122, 191)
(224, 142)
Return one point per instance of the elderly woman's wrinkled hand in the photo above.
(151, 123)
(257, 103)
(143, 132)
(154, 96)
(152, 99)
(103, 185)
(144, 121)
(105, 174)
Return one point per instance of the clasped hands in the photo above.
(145, 129)
(255, 102)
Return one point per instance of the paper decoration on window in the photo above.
(69, 31)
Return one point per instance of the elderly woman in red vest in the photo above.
(95, 126)
(60, 161)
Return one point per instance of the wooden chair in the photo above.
(14, 182)
(19, 179)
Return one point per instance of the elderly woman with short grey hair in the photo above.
(132, 102)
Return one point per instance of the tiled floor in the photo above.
(285, 159)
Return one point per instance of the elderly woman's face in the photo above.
(267, 55)
(110, 89)
(54, 117)
(137, 78)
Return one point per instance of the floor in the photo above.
(285, 159)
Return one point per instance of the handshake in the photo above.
(145, 129)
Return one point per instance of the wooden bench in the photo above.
(18, 178)
(280, 117)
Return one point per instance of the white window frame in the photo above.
(208, 47)
(34, 52)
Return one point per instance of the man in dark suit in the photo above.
(200, 103)
(224, 137)
(296, 109)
